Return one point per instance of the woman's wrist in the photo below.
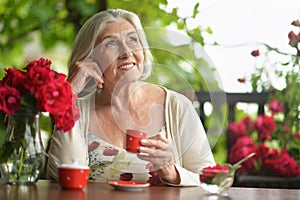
(169, 174)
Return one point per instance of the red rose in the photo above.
(65, 120)
(296, 23)
(56, 98)
(296, 136)
(243, 147)
(293, 39)
(14, 78)
(287, 129)
(262, 151)
(53, 98)
(59, 76)
(241, 80)
(264, 125)
(37, 77)
(255, 53)
(236, 130)
(249, 124)
(276, 106)
(10, 100)
(44, 63)
(272, 154)
(242, 128)
(281, 164)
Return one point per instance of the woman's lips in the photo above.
(127, 66)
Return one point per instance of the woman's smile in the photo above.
(127, 66)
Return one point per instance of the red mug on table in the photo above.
(133, 140)
(73, 175)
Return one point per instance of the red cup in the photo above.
(72, 176)
(133, 138)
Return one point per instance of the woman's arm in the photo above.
(191, 147)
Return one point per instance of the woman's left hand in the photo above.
(158, 151)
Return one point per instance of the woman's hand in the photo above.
(157, 150)
(85, 71)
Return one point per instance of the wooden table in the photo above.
(44, 189)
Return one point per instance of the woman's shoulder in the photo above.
(159, 89)
(154, 88)
(175, 96)
(155, 93)
(170, 96)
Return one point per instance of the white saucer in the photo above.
(129, 185)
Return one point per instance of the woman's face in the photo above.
(119, 52)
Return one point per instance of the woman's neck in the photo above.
(119, 95)
(137, 105)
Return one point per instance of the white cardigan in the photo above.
(184, 131)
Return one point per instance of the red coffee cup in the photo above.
(133, 138)
(73, 176)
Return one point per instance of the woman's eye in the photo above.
(111, 44)
(133, 39)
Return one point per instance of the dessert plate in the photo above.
(129, 185)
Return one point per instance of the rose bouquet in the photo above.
(274, 136)
(38, 89)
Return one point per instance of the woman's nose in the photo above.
(125, 51)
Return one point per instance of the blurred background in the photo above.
(205, 43)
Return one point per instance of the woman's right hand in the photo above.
(84, 72)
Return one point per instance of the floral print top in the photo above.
(108, 162)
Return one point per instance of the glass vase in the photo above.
(22, 159)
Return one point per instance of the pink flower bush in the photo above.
(267, 161)
(274, 136)
(264, 125)
(243, 147)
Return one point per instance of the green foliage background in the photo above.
(53, 24)
(30, 29)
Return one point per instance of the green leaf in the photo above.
(209, 30)
(195, 11)
(7, 150)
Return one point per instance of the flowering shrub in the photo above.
(38, 88)
(274, 136)
(275, 151)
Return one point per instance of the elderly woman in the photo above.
(109, 61)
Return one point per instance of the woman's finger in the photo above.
(155, 142)
(160, 137)
(95, 72)
(158, 159)
(151, 152)
(86, 70)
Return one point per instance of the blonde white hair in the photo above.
(93, 27)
